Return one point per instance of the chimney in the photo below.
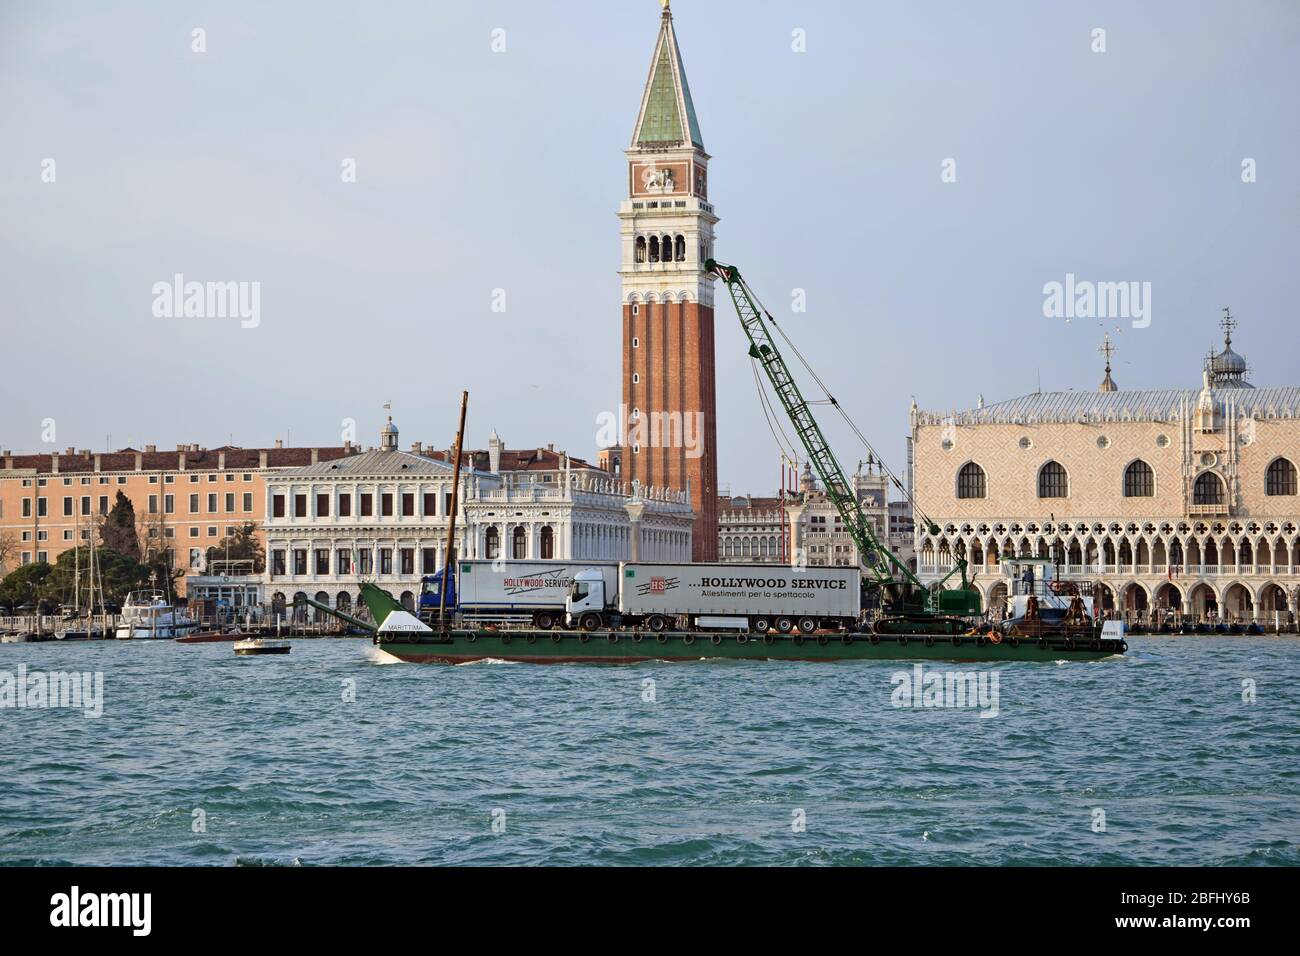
(180, 455)
(279, 443)
(54, 463)
(70, 451)
(315, 455)
(97, 463)
(150, 449)
(9, 459)
(417, 448)
(550, 446)
(85, 454)
(139, 459)
(261, 458)
(221, 461)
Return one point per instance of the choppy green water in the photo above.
(577, 766)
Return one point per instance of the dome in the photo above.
(1227, 368)
(388, 435)
(1228, 361)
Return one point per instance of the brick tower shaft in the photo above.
(667, 228)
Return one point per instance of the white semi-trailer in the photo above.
(758, 598)
(511, 592)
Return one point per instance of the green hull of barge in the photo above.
(621, 647)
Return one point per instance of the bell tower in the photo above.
(670, 435)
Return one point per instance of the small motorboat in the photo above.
(78, 631)
(257, 645)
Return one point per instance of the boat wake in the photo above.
(375, 656)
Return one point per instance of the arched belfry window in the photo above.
(680, 247)
(1053, 481)
(1139, 480)
(654, 248)
(640, 248)
(1280, 479)
(971, 482)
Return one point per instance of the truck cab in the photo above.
(431, 593)
(586, 599)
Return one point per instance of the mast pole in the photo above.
(451, 518)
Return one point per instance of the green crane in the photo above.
(887, 573)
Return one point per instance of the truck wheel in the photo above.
(590, 622)
(761, 625)
(784, 624)
(657, 623)
(545, 621)
(807, 625)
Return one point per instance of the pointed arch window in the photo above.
(971, 481)
(1208, 489)
(1053, 481)
(1139, 480)
(1280, 479)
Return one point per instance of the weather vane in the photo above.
(1227, 323)
(1107, 349)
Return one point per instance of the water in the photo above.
(714, 771)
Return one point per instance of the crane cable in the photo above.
(832, 401)
(783, 443)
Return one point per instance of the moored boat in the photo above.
(148, 615)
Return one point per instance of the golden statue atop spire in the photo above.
(664, 4)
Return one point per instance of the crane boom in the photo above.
(880, 562)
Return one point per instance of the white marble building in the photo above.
(382, 516)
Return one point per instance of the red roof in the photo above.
(204, 459)
(244, 459)
(528, 459)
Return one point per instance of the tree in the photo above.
(118, 533)
(8, 548)
(159, 553)
(118, 573)
(240, 545)
(26, 585)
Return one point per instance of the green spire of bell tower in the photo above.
(667, 113)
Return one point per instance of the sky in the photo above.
(919, 171)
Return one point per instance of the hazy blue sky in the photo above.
(481, 170)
